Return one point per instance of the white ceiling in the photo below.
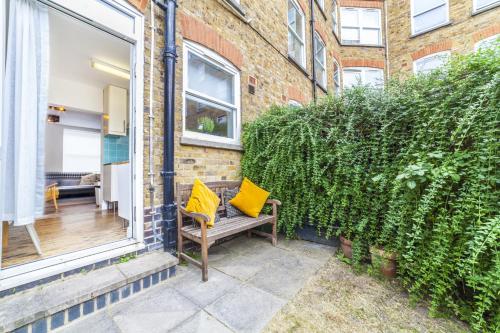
(72, 45)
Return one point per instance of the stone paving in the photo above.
(249, 282)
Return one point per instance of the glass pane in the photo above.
(352, 78)
(430, 19)
(295, 48)
(371, 18)
(374, 78)
(420, 6)
(295, 19)
(208, 118)
(350, 35)
(428, 64)
(320, 74)
(210, 79)
(320, 51)
(484, 3)
(349, 17)
(488, 42)
(370, 36)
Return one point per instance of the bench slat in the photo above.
(227, 227)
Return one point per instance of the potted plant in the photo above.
(384, 260)
(346, 246)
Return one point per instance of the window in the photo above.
(294, 103)
(361, 26)
(428, 14)
(483, 4)
(487, 42)
(335, 18)
(296, 33)
(430, 62)
(336, 77)
(211, 96)
(320, 60)
(363, 75)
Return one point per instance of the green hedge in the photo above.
(413, 168)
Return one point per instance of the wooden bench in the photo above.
(196, 232)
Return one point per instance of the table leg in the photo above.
(5, 234)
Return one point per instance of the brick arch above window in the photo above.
(363, 63)
(362, 3)
(321, 33)
(433, 48)
(139, 4)
(487, 32)
(201, 33)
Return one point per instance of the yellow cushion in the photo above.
(203, 200)
(250, 199)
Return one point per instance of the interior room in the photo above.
(87, 169)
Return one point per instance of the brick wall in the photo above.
(459, 36)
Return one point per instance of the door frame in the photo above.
(126, 23)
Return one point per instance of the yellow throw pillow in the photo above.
(203, 200)
(250, 199)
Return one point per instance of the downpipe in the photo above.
(169, 210)
(312, 23)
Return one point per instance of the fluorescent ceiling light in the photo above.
(111, 69)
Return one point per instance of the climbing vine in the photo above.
(413, 168)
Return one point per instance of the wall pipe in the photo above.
(311, 5)
(169, 210)
(152, 207)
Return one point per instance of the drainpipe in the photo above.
(152, 207)
(311, 5)
(169, 60)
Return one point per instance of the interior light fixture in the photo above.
(57, 108)
(109, 68)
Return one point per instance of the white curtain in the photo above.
(24, 108)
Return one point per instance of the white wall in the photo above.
(75, 95)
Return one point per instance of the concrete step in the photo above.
(53, 305)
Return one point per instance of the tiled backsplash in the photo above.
(115, 148)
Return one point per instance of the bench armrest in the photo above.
(273, 202)
(204, 217)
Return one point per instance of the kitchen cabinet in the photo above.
(115, 111)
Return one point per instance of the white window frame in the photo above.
(337, 87)
(324, 77)
(363, 71)
(413, 14)
(223, 64)
(335, 17)
(437, 54)
(491, 5)
(294, 33)
(478, 45)
(129, 26)
(360, 26)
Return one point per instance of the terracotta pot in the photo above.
(346, 246)
(387, 261)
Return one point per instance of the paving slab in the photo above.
(308, 249)
(201, 322)
(240, 267)
(202, 293)
(156, 310)
(245, 309)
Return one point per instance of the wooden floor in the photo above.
(77, 225)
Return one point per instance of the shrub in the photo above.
(412, 168)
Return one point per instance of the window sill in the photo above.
(236, 9)
(322, 10)
(320, 86)
(442, 25)
(485, 9)
(299, 66)
(377, 46)
(210, 144)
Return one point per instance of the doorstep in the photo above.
(55, 304)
